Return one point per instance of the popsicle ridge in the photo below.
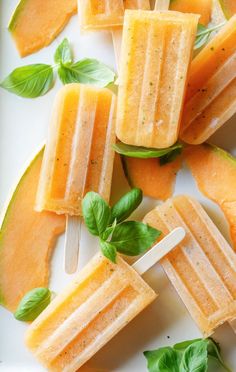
(155, 56)
(203, 267)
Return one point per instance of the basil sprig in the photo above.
(204, 33)
(35, 80)
(32, 304)
(165, 155)
(201, 355)
(115, 234)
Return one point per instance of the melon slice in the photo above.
(153, 179)
(202, 7)
(36, 23)
(228, 7)
(215, 173)
(26, 240)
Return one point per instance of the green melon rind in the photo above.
(126, 170)
(224, 9)
(10, 201)
(15, 14)
(222, 153)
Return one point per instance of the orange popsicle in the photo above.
(155, 57)
(78, 156)
(101, 300)
(211, 93)
(203, 267)
(106, 14)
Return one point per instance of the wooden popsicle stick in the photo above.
(117, 40)
(159, 250)
(232, 324)
(162, 4)
(72, 241)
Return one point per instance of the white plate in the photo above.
(23, 126)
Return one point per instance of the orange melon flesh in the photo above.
(202, 7)
(155, 57)
(106, 14)
(78, 156)
(211, 93)
(92, 309)
(26, 240)
(203, 267)
(36, 23)
(215, 173)
(229, 7)
(153, 179)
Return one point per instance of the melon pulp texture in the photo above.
(155, 180)
(26, 240)
(228, 7)
(36, 23)
(215, 173)
(202, 7)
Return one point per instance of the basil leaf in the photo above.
(63, 53)
(32, 304)
(108, 250)
(87, 71)
(109, 231)
(132, 238)
(204, 33)
(96, 213)
(195, 357)
(126, 205)
(162, 360)
(181, 346)
(213, 350)
(144, 152)
(29, 81)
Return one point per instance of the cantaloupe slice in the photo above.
(228, 7)
(36, 23)
(26, 240)
(155, 180)
(202, 7)
(215, 173)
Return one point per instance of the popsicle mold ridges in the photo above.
(100, 301)
(78, 155)
(155, 57)
(211, 93)
(203, 267)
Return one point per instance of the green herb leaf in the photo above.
(96, 213)
(195, 357)
(144, 152)
(126, 205)
(108, 250)
(87, 71)
(214, 354)
(109, 231)
(164, 359)
(29, 81)
(63, 53)
(32, 304)
(181, 346)
(133, 238)
(204, 33)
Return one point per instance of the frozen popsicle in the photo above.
(93, 308)
(155, 56)
(106, 14)
(211, 93)
(203, 267)
(78, 157)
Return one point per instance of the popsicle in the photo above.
(211, 93)
(78, 157)
(203, 267)
(93, 308)
(155, 56)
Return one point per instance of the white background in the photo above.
(23, 125)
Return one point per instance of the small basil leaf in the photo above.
(171, 156)
(63, 53)
(108, 250)
(144, 152)
(213, 350)
(204, 33)
(29, 81)
(133, 238)
(96, 213)
(87, 71)
(162, 360)
(181, 346)
(32, 304)
(109, 231)
(126, 205)
(195, 357)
